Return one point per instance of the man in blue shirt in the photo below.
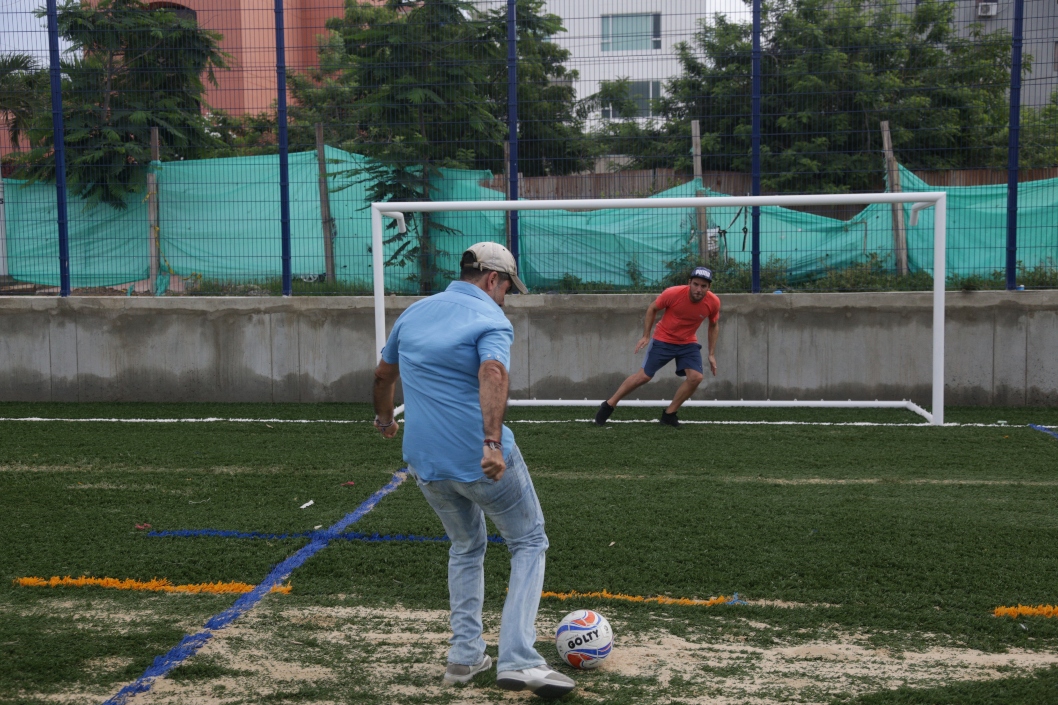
(452, 352)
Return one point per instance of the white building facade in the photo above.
(636, 39)
(633, 39)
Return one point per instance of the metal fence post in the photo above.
(284, 166)
(755, 166)
(512, 116)
(1013, 145)
(153, 228)
(60, 148)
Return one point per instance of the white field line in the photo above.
(207, 419)
(219, 419)
(865, 423)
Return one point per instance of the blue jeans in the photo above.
(512, 506)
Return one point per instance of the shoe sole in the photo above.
(546, 691)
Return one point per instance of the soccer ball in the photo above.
(584, 639)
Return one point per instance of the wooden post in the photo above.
(899, 229)
(3, 236)
(507, 188)
(153, 230)
(325, 207)
(702, 220)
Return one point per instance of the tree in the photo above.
(132, 68)
(418, 88)
(551, 139)
(413, 79)
(623, 133)
(550, 130)
(23, 94)
(243, 135)
(1039, 135)
(832, 70)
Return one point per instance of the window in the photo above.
(1056, 56)
(642, 92)
(631, 32)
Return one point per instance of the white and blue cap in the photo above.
(702, 273)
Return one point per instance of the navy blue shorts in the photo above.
(687, 357)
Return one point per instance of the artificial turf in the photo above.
(896, 531)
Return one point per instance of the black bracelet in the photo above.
(379, 423)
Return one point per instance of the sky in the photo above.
(22, 32)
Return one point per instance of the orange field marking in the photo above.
(660, 599)
(1027, 611)
(155, 585)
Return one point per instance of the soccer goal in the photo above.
(928, 199)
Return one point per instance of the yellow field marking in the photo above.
(155, 585)
(1027, 611)
(660, 599)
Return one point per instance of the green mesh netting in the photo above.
(219, 220)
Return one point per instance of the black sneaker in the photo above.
(670, 419)
(602, 414)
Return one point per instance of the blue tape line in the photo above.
(349, 536)
(190, 533)
(735, 600)
(1046, 430)
(190, 644)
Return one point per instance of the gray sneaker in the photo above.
(541, 680)
(458, 673)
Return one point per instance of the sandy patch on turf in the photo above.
(817, 671)
(106, 664)
(397, 655)
(595, 475)
(143, 469)
(888, 481)
(110, 486)
(103, 615)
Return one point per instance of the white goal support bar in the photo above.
(926, 199)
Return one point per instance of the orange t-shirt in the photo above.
(679, 324)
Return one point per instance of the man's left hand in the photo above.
(712, 364)
(387, 431)
(492, 463)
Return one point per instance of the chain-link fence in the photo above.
(209, 149)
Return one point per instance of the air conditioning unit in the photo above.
(987, 9)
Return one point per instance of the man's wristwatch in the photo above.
(493, 445)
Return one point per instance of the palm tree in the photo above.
(21, 92)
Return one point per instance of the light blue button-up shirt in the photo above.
(440, 343)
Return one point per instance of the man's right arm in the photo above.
(648, 325)
(386, 376)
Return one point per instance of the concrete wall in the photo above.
(1002, 348)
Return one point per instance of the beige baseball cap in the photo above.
(494, 257)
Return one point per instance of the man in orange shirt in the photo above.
(685, 307)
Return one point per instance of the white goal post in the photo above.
(935, 199)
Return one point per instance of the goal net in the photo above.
(920, 200)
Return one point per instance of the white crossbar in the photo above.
(936, 199)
